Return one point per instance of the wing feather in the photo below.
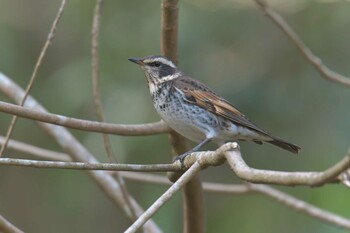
(198, 94)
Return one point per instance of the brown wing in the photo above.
(197, 93)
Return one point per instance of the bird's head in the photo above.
(157, 69)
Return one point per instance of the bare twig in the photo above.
(301, 206)
(7, 227)
(186, 177)
(77, 151)
(35, 151)
(74, 123)
(97, 100)
(247, 173)
(281, 197)
(205, 158)
(345, 178)
(95, 76)
(310, 57)
(90, 166)
(35, 71)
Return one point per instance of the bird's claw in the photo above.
(181, 159)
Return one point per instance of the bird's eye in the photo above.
(156, 64)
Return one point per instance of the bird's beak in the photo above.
(136, 60)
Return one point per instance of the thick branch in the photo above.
(93, 126)
(310, 57)
(247, 173)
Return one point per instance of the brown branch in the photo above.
(7, 227)
(310, 57)
(247, 173)
(77, 151)
(193, 194)
(193, 206)
(74, 123)
(170, 23)
(35, 71)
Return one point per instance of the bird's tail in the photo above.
(285, 145)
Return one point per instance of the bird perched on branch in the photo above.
(193, 110)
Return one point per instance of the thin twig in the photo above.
(301, 206)
(7, 227)
(95, 31)
(74, 123)
(310, 57)
(253, 175)
(186, 177)
(76, 150)
(35, 151)
(95, 76)
(205, 158)
(35, 71)
(90, 166)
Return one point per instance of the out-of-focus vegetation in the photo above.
(229, 45)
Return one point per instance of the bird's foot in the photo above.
(182, 157)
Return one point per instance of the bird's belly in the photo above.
(196, 123)
(191, 122)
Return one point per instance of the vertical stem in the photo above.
(170, 23)
(193, 193)
(97, 100)
(194, 220)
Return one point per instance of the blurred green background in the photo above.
(228, 45)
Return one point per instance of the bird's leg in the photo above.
(184, 155)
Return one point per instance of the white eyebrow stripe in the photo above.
(161, 60)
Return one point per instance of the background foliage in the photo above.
(230, 46)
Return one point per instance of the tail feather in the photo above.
(285, 145)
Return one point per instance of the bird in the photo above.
(196, 112)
